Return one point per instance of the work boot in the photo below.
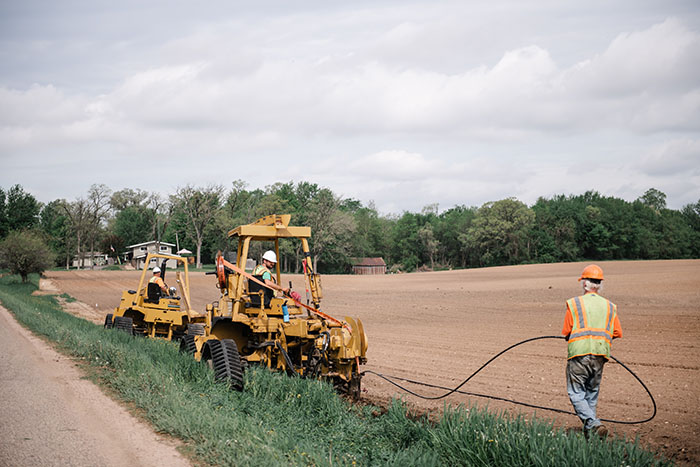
(601, 430)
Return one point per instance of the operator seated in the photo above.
(263, 273)
(254, 290)
(156, 287)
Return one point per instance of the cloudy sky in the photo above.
(404, 103)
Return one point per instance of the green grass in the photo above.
(68, 298)
(279, 420)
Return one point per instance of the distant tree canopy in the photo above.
(588, 226)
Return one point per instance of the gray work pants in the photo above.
(583, 376)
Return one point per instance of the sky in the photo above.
(402, 104)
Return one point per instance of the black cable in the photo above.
(456, 389)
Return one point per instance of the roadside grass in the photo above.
(68, 298)
(279, 420)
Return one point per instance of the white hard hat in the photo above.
(156, 269)
(270, 256)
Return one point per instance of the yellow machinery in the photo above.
(250, 325)
(147, 311)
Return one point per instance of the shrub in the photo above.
(24, 253)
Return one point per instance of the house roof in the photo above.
(152, 242)
(368, 262)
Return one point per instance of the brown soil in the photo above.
(439, 327)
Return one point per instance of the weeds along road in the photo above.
(52, 416)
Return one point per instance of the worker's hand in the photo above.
(295, 296)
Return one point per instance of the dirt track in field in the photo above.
(439, 327)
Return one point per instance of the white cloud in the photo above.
(678, 157)
(394, 90)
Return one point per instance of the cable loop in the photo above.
(389, 379)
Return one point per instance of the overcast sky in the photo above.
(404, 103)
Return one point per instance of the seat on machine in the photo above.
(254, 293)
(153, 293)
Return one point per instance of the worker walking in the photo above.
(590, 325)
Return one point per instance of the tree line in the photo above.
(589, 226)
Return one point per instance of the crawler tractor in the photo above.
(147, 311)
(250, 325)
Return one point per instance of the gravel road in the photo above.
(52, 416)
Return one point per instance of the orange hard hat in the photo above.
(592, 271)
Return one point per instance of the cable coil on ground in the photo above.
(390, 379)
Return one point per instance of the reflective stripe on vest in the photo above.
(261, 269)
(594, 318)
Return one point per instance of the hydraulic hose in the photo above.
(390, 379)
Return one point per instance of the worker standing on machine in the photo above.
(269, 262)
(590, 325)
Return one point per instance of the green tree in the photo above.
(18, 210)
(691, 214)
(448, 227)
(654, 198)
(500, 232)
(430, 244)
(133, 225)
(331, 229)
(55, 226)
(127, 197)
(555, 230)
(406, 244)
(372, 234)
(4, 228)
(25, 252)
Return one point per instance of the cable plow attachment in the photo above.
(392, 380)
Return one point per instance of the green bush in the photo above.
(25, 252)
(280, 420)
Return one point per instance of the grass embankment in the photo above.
(279, 420)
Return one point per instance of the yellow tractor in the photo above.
(148, 311)
(251, 325)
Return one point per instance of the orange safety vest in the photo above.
(592, 332)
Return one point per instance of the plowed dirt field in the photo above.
(439, 327)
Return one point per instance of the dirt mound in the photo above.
(439, 327)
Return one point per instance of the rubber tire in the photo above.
(194, 329)
(124, 324)
(226, 362)
(108, 321)
(187, 344)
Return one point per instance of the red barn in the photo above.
(368, 266)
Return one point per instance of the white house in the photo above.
(90, 259)
(136, 254)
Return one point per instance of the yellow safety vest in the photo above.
(261, 269)
(594, 318)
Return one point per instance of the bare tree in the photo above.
(99, 197)
(430, 243)
(78, 215)
(161, 211)
(199, 205)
